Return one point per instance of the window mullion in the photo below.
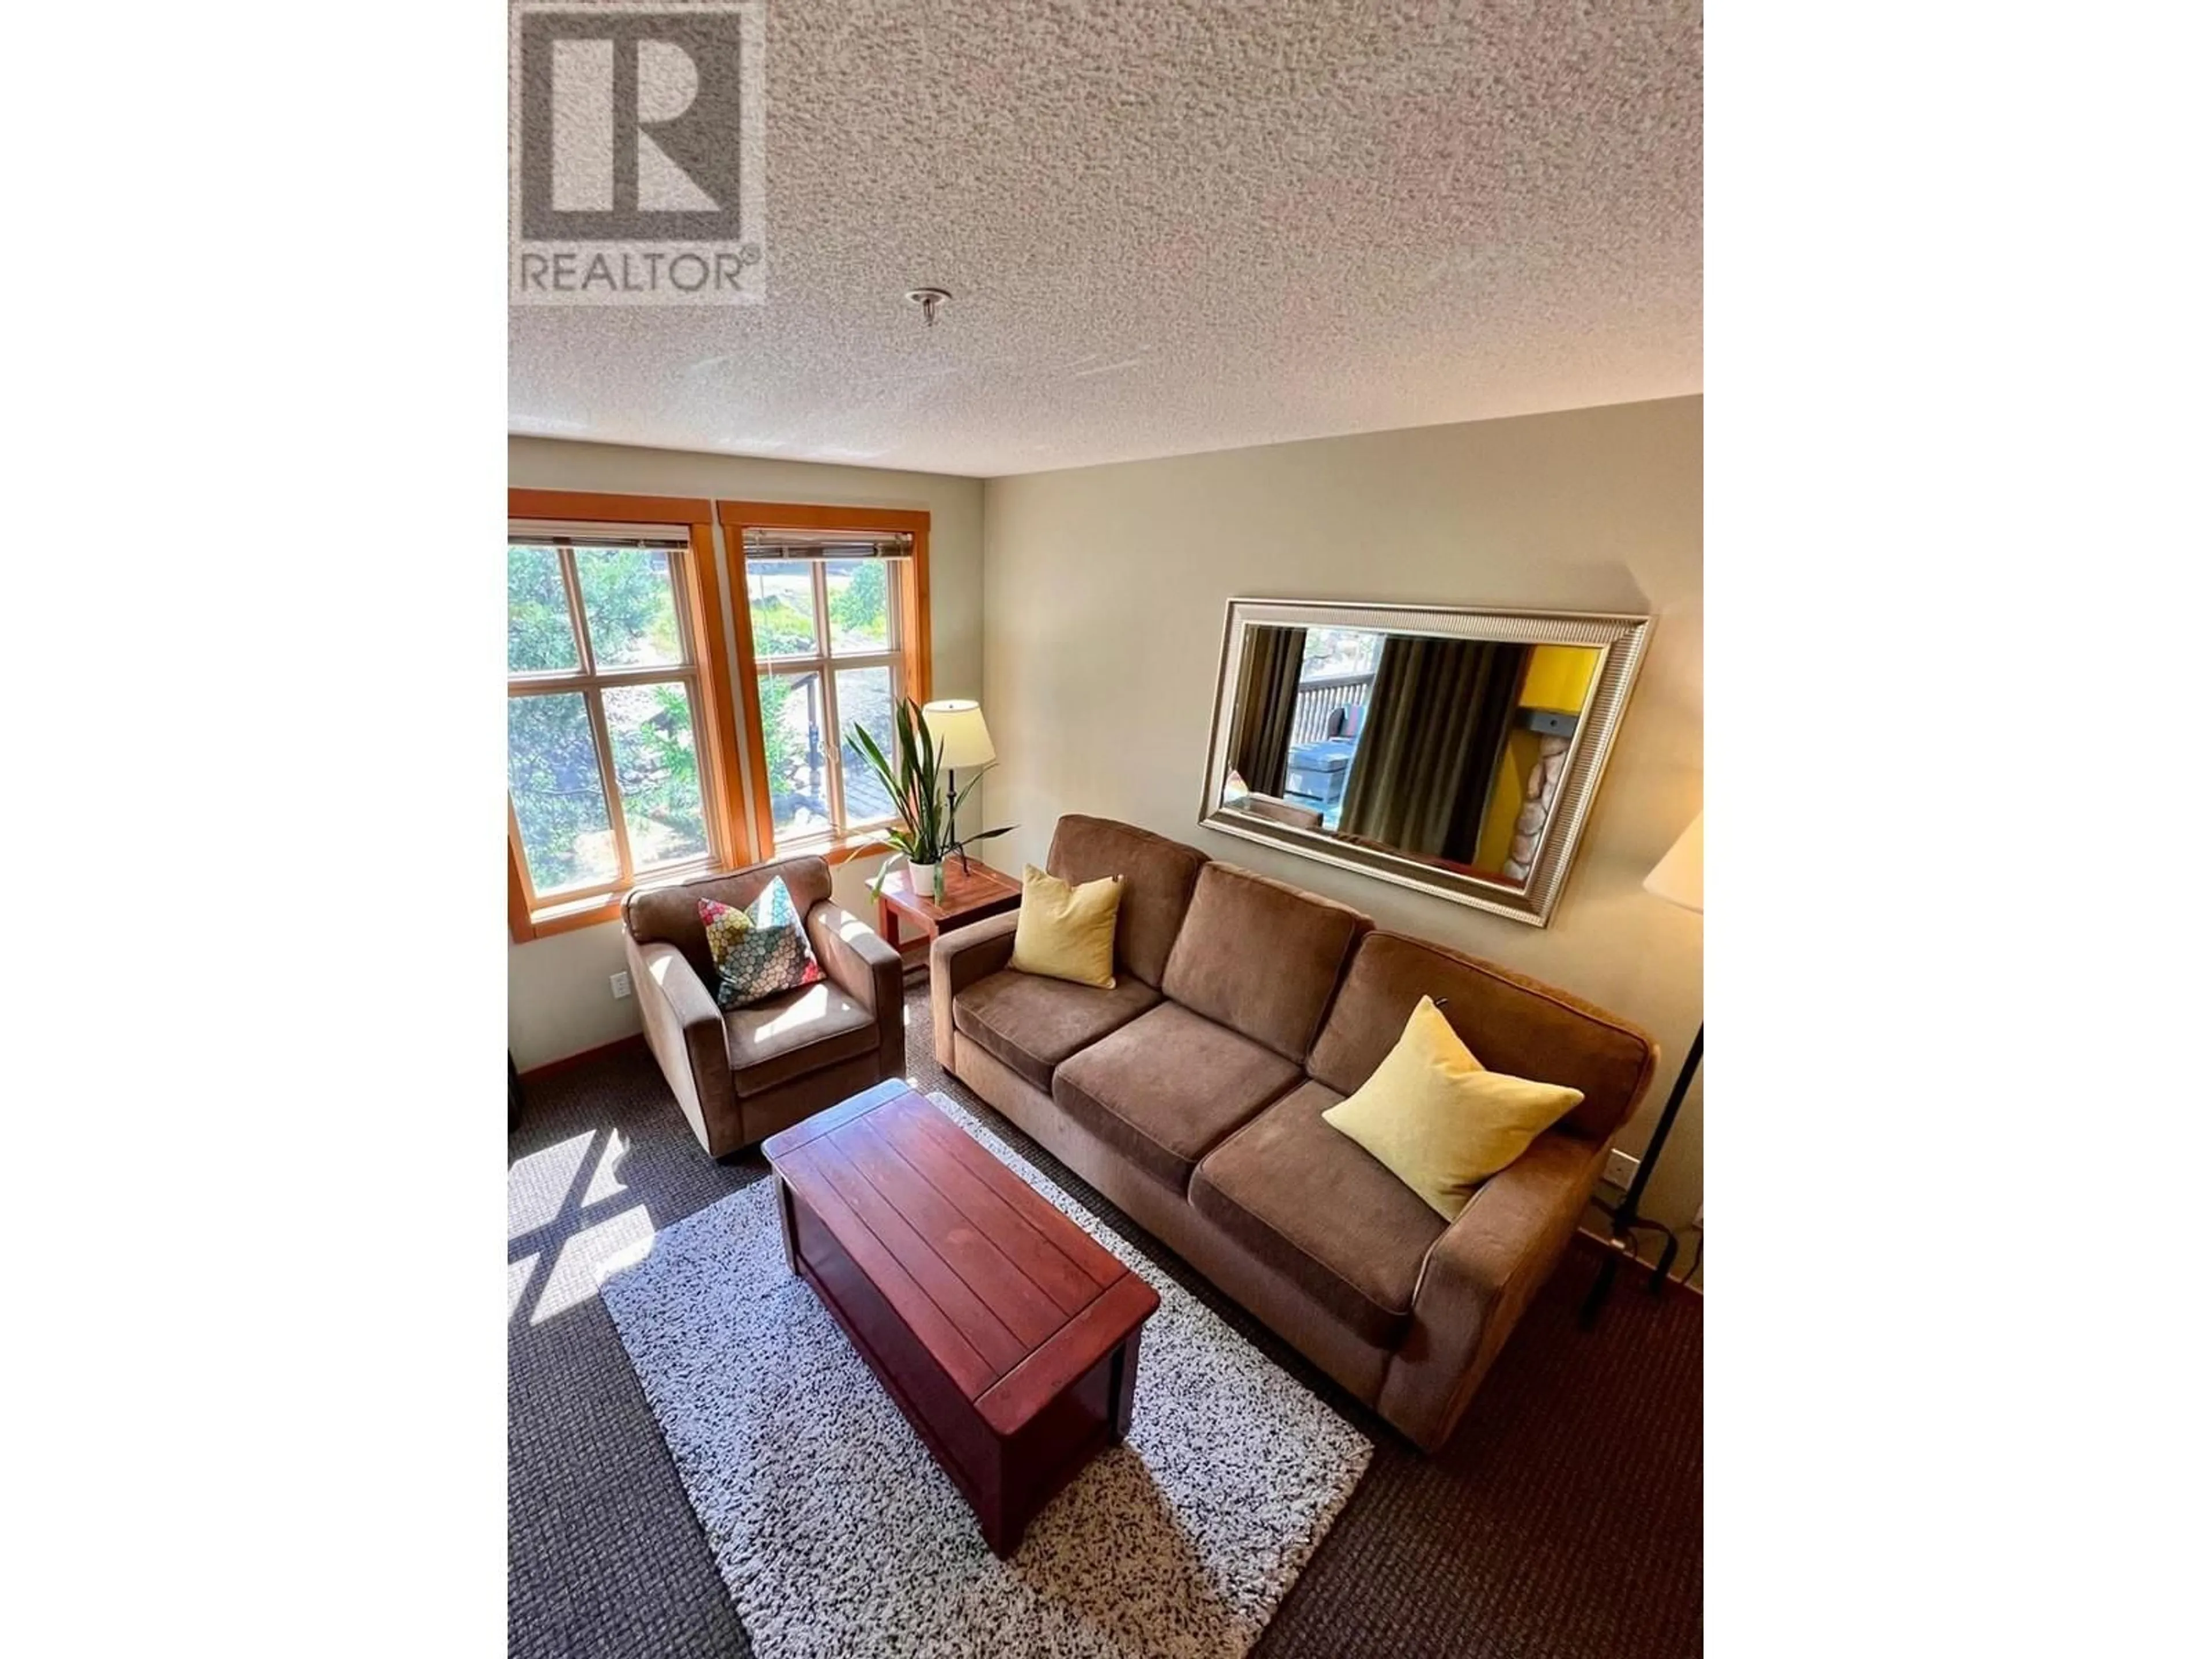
(616, 817)
(585, 664)
(833, 746)
(680, 567)
(650, 673)
(833, 758)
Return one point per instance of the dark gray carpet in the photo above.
(1563, 1522)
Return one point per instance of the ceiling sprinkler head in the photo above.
(928, 299)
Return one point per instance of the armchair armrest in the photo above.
(958, 960)
(685, 1031)
(1477, 1277)
(868, 970)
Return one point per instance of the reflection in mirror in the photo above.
(1449, 751)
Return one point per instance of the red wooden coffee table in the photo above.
(1005, 1332)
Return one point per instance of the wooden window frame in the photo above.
(826, 663)
(699, 594)
(738, 517)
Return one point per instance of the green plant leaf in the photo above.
(904, 789)
(861, 739)
(912, 780)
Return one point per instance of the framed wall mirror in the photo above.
(1449, 750)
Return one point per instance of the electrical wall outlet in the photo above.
(1620, 1170)
(619, 984)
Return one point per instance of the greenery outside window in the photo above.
(637, 749)
(611, 775)
(827, 655)
(833, 631)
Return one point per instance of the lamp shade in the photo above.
(963, 741)
(1680, 877)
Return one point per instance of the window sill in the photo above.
(566, 916)
(602, 908)
(835, 850)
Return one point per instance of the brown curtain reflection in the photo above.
(1436, 722)
(1266, 700)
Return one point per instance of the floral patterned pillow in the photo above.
(761, 950)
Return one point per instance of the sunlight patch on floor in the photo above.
(604, 1182)
(518, 1280)
(576, 1276)
(537, 1184)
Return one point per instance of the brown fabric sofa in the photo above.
(744, 1075)
(1191, 1095)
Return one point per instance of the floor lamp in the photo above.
(1680, 878)
(963, 743)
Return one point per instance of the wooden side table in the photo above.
(970, 894)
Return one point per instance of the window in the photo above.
(612, 770)
(645, 741)
(834, 632)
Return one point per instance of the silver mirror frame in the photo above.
(1623, 640)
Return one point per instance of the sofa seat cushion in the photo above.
(1031, 1024)
(1310, 1205)
(800, 1031)
(1167, 1087)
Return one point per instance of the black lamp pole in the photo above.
(1625, 1221)
(953, 819)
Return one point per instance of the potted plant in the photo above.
(927, 803)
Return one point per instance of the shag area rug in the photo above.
(838, 1534)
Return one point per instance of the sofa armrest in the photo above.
(684, 1030)
(855, 957)
(1477, 1277)
(868, 970)
(957, 961)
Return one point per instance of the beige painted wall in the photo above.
(557, 999)
(1105, 589)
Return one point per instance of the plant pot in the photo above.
(927, 880)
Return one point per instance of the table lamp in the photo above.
(1680, 878)
(955, 726)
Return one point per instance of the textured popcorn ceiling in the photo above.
(1172, 226)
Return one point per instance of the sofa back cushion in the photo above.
(1261, 957)
(670, 914)
(1512, 1025)
(1157, 875)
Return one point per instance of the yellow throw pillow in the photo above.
(1438, 1121)
(1066, 933)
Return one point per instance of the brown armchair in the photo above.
(745, 1074)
